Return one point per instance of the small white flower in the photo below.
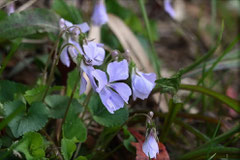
(150, 146)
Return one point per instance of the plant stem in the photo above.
(196, 132)
(112, 151)
(70, 101)
(206, 56)
(85, 103)
(154, 53)
(79, 144)
(14, 48)
(234, 104)
(202, 152)
(54, 145)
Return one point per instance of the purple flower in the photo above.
(11, 8)
(99, 16)
(93, 56)
(142, 84)
(72, 38)
(113, 94)
(93, 53)
(169, 9)
(150, 146)
(64, 24)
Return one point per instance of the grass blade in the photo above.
(173, 110)
(234, 104)
(154, 53)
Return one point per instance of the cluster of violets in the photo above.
(109, 84)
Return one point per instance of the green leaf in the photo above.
(106, 136)
(202, 153)
(32, 119)
(14, 47)
(169, 85)
(128, 138)
(57, 105)
(81, 158)
(9, 89)
(29, 22)
(67, 12)
(234, 104)
(35, 94)
(174, 108)
(67, 148)
(102, 116)
(74, 128)
(32, 145)
(2, 15)
(72, 76)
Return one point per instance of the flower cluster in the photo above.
(109, 85)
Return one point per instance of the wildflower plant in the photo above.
(89, 96)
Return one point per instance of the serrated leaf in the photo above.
(169, 85)
(58, 104)
(103, 117)
(74, 128)
(33, 119)
(67, 148)
(9, 89)
(66, 11)
(35, 94)
(29, 22)
(32, 145)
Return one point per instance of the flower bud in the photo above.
(99, 16)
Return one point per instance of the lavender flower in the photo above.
(150, 145)
(169, 9)
(99, 16)
(72, 38)
(11, 8)
(93, 56)
(113, 94)
(142, 84)
(64, 24)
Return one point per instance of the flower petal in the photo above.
(142, 84)
(94, 55)
(101, 77)
(76, 44)
(88, 70)
(117, 70)
(169, 9)
(84, 27)
(64, 57)
(99, 56)
(150, 146)
(111, 100)
(123, 90)
(83, 85)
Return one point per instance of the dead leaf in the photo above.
(130, 42)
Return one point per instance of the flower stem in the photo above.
(70, 101)
(54, 145)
